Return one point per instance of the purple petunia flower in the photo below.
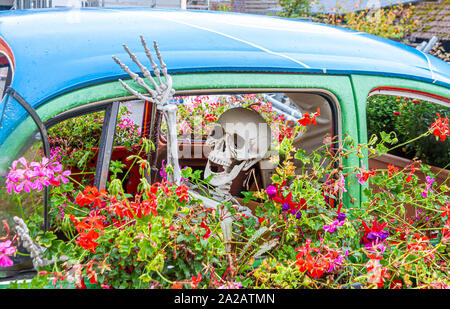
(341, 217)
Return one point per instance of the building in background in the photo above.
(29, 4)
(434, 21)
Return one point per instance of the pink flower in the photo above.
(364, 174)
(333, 226)
(25, 176)
(376, 272)
(6, 250)
(430, 181)
(337, 262)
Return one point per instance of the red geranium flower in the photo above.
(86, 240)
(309, 118)
(440, 127)
(90, 195)
(207, 230)
(196, 280)
(210, 117)
(182, 192)
(446, 210)
(392, 169)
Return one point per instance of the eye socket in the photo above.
(216, 132)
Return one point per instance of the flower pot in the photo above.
(119, 153)
(381, 162)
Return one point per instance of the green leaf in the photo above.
(301, 155)
(46, 239)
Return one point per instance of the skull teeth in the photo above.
(219, 161)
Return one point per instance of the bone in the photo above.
(163, 65)
(154, 65)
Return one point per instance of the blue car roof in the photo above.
(58, 50)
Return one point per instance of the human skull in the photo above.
(240, 138)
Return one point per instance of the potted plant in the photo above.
(75, 143)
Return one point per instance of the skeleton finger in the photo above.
(163, 65)
(149, 55)
(137, 94)
(143, 69)
(147, 52)
(135, 77)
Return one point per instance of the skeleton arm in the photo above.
(160, 94)
(227, 218)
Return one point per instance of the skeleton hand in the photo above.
(162, 93)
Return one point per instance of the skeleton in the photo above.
(240, 138)
(36, 251)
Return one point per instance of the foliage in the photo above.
(393, 22)
(223, 7)
(197, 114)
(407, 117)
(295, 8)
(302, 232)
(74, 139)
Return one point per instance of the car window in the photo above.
(283, 112)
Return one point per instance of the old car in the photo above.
(59, 66)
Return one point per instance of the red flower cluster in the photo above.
(196, 280)
(440, 127)
(90, 196)
(313, 261)
(207, 230)
(376, 272)
(88, 230)
(182, 193)
(285, 132)
(413, 170)
(309, 119)
(392, 169)
(90, 227)
(210, 118)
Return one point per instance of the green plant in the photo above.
(73, 140)
(295, 8)
(407, 117)
(393, 22)
(164, 237)
(415, 116)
